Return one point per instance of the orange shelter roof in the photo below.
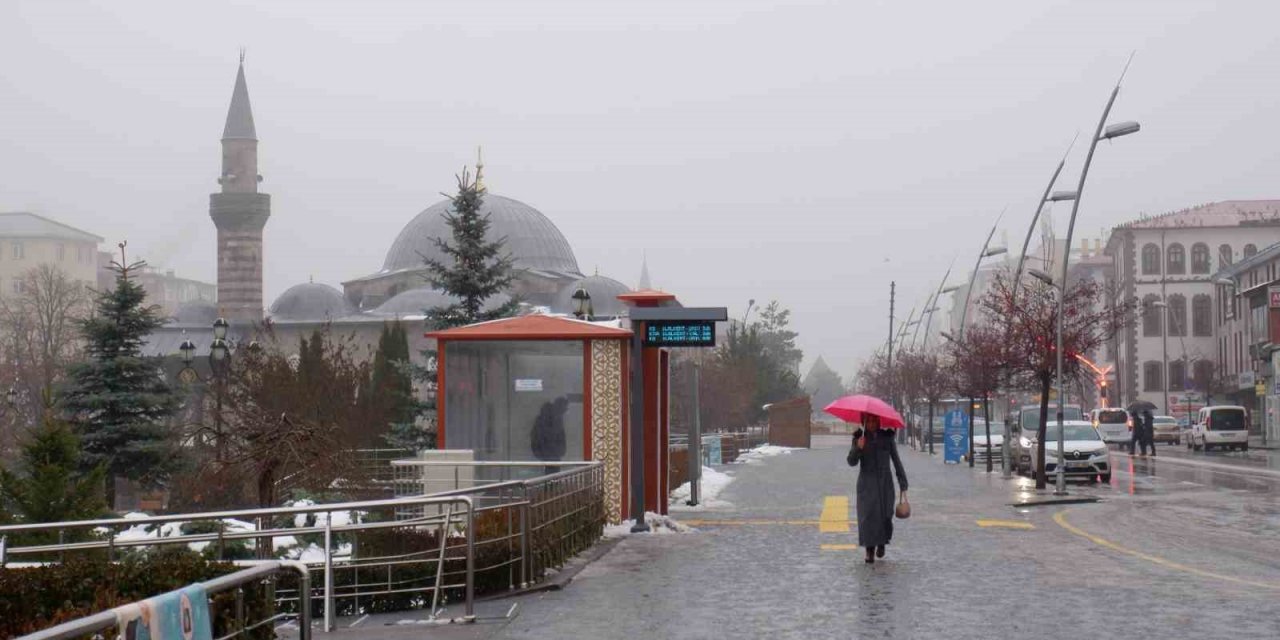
(647, 297)
(533, 327)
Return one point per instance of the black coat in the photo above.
(876, 497)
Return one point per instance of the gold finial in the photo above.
(480, 169)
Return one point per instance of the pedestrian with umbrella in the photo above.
(1138, 412)
(874, 450)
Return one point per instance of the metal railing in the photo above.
(261, 571)
(415, 551)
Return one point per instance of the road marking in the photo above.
(1217, 466)
(835, 515)
(743, 523)
(1061, 519)
(840, 547)
(1006, 524)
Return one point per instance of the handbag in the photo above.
(903, 510)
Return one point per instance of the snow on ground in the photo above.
(658, 525)
(712, 483)
(754, 456)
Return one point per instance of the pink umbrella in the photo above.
(852, 408)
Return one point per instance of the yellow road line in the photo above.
(835, 515)
(1006, 524)
(743, 523)
(840, 547)
(1061, 519)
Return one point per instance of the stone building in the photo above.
(28, 240)
(1168, 262)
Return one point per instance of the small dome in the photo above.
(416, 301)
(196, 312)
(532, 239)
(310, 301)
(604, 296)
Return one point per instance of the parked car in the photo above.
(1220, 426)
(1029, 415)
(1166, 430)
(980, 444)
(1113, 424)
(1086, 454)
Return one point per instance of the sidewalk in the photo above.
(777, 558)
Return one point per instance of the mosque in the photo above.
(547, 272)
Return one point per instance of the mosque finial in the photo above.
(480, 169)
(242, 56)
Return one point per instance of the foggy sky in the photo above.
(805, 151)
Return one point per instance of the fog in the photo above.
(809, 152)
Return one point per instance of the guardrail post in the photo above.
(3, 543)
(328, 572)
(304, 601)
(471, 559)
(524, 536)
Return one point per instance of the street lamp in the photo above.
(1111, 132)
(987, 252)
(1041, 276)
(582, 303)
(1164, 349)
(219, 360)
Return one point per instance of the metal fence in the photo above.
(417, 551)
(238, 625)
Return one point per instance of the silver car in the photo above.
(1166, 430)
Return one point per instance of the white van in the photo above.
(1220, 426)
(1113, 424)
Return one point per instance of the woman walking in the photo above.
(874, 449)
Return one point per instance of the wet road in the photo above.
(1182, 546)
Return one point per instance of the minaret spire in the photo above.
(480, 169)
(240, 212)
(644, 273)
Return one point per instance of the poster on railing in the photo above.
(955, 436)
(176, 615)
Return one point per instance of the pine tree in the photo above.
(50, 485)
(391, 389)
(478, 269)
(118, 400)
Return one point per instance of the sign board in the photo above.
(525, 385)
(1273, 297)
(1245, 379)
(680, 333)
(955, 436)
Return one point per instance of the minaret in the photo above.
(644, 273)
(240, 212)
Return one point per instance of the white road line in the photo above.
(1217, 466)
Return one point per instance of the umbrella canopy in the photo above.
(1140, 406)
(852, 408)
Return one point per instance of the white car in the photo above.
(1113, 424)
(1220, 426)
(1087, 455)
(980, 445)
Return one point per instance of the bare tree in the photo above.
(1029, 322)
(978, 362)
(38, 338)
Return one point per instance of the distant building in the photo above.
(28, 240)
(1169, 261)
(1247, 318)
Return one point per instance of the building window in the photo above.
(1177, 375)
(1177, 257)
(1224, 256)
(1250, 251)
(19, 252)
(1150, 316)
(1201, 315)
(1200, 258)
(1150, 260)
(1258, 330)
(1177, 315)
(1202, 377)
(1151, 380)
(62, 252)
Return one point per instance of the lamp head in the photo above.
(1120, 129)
(1063, 196)
(188, 351)
(219, 350)
(581, 302)
(220, 328)
(994, 251)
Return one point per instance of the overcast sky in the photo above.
(805, 151)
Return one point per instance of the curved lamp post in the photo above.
(1103, 132)
(987, 251)
(1048, 196)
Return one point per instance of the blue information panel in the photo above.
(955, 436)
(680, 333)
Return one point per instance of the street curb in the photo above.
(565, 575)
(1050, 501)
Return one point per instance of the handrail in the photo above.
(107, 619)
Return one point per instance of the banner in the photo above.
(176, 615)
(955, 436)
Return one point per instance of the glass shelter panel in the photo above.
(515, 400)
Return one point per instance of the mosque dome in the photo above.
(414, 301)
(310, 301)
(604, 296)
(196, 312)
(532, 239)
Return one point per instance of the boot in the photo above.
(880, 551)
(871, 558)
